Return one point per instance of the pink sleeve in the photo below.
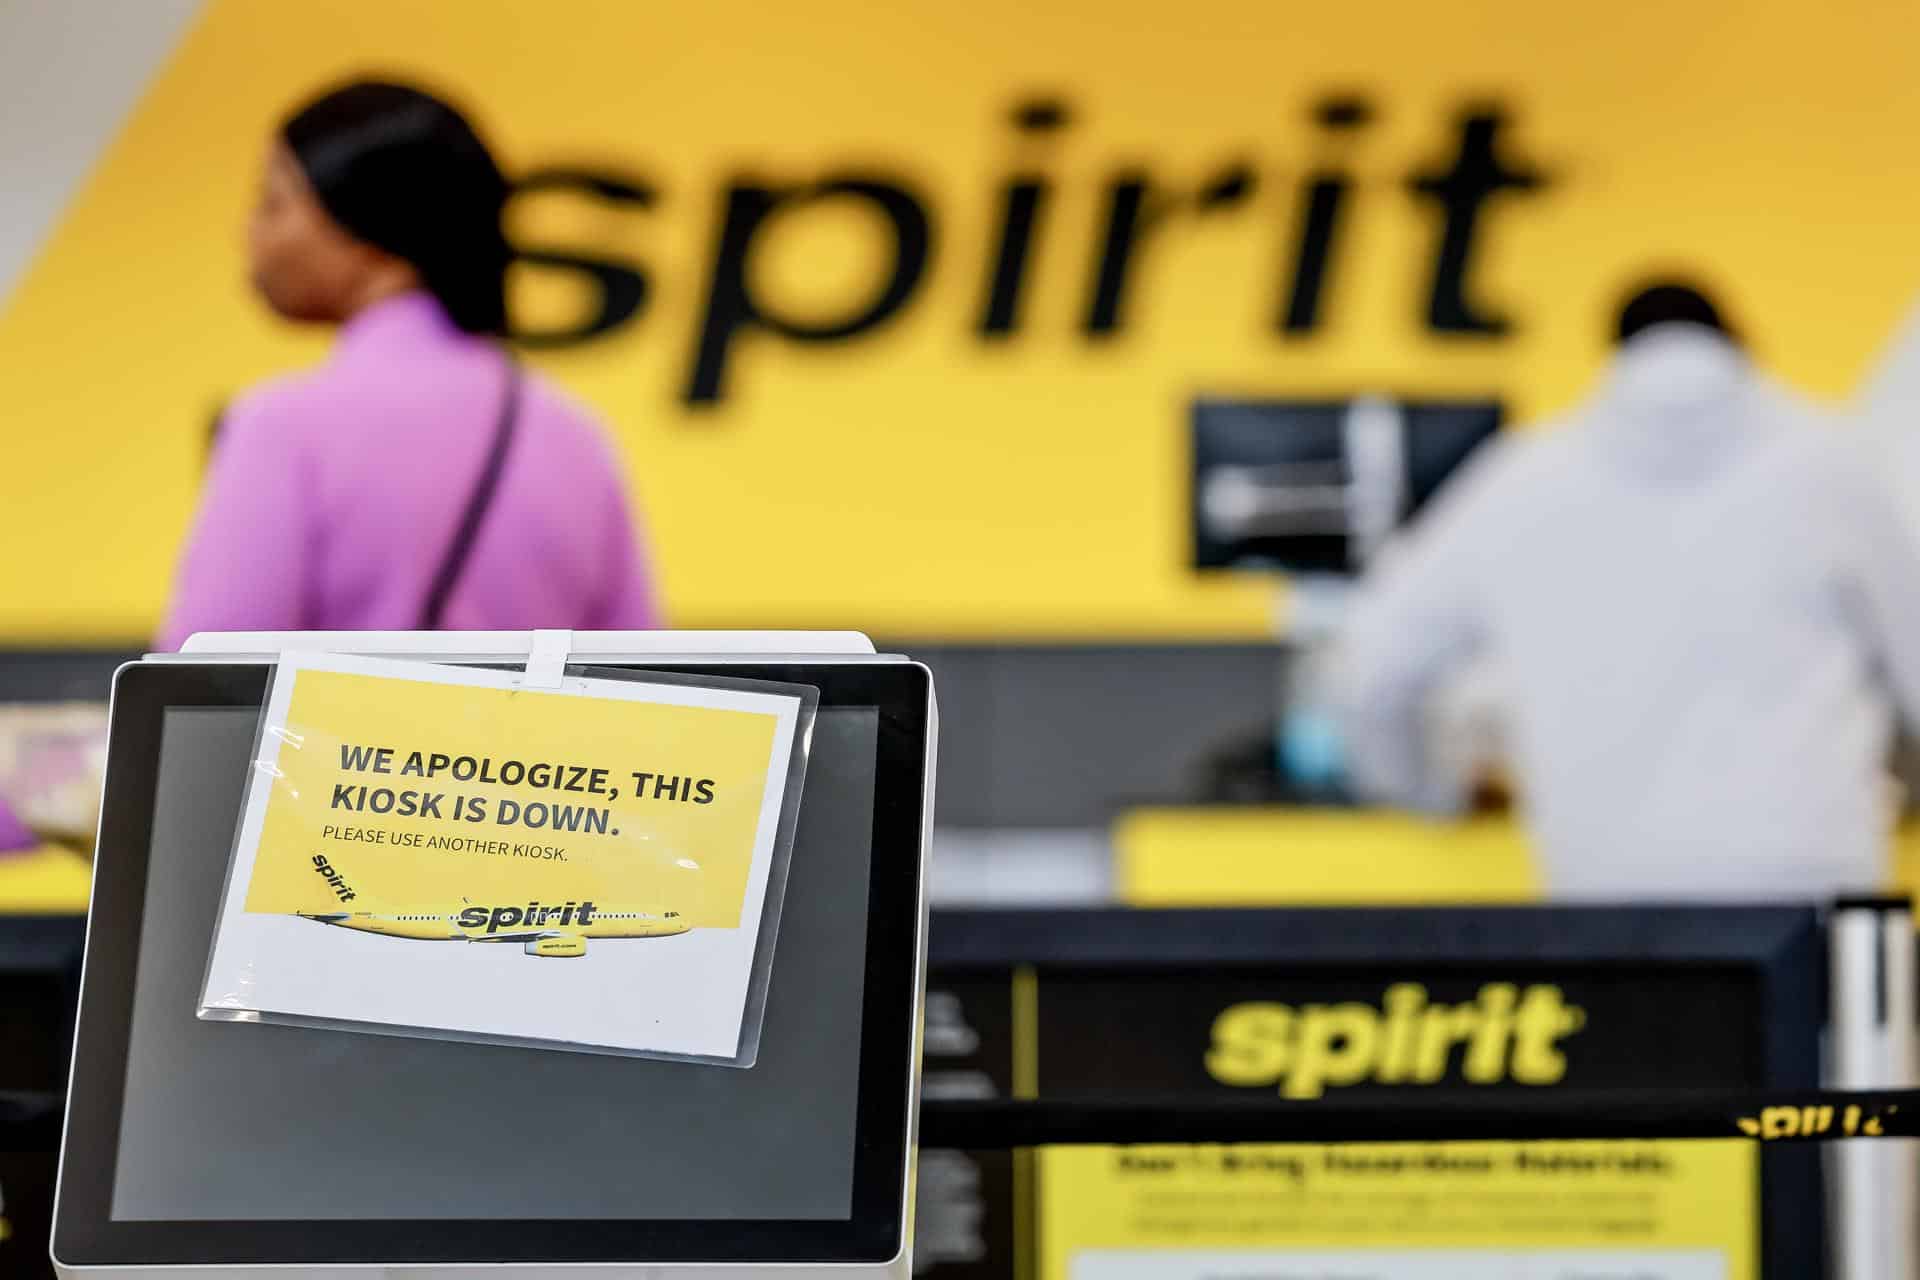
(246, 559)
(630, 603)
(13, 833)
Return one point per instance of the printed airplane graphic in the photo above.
(558, 929)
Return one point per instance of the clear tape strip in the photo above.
(547, 659)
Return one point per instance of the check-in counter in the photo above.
(1373, 1003)
(1199, 856)
(1303, 1004)
(50, 880)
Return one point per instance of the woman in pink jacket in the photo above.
(419, 478)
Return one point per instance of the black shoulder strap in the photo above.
(461, 548)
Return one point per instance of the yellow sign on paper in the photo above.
(420, 840)
(512, 794)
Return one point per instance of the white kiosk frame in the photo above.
(546, 654)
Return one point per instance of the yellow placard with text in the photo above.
(1672, 1210)
(586, 863)
(418, 793)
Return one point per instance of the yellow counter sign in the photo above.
(1672, 1210)
(1391, 1211)
(1508, 1034)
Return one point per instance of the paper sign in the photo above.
(440, 850)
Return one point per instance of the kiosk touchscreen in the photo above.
(223, 1148)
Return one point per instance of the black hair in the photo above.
(405, 172)
(1670, 302)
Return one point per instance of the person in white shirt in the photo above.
(1704, 611)
(1887, 407)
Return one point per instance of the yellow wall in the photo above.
(917, 481)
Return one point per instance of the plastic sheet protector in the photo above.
(453, 852)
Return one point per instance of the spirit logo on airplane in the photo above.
(545, 929)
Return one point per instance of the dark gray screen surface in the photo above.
(226, 1121)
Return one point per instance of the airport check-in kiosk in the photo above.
(224, 1148)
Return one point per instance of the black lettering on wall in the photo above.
(1134, 205)
(731, 307)
(1023, 202)
(1320, 221)
(1129, 218)
(1134, 211)
(1477, 174)
(620, 287)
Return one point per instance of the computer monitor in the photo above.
(232, 1149)
(1314, 486)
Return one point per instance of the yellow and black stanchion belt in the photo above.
(1770, 1116)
